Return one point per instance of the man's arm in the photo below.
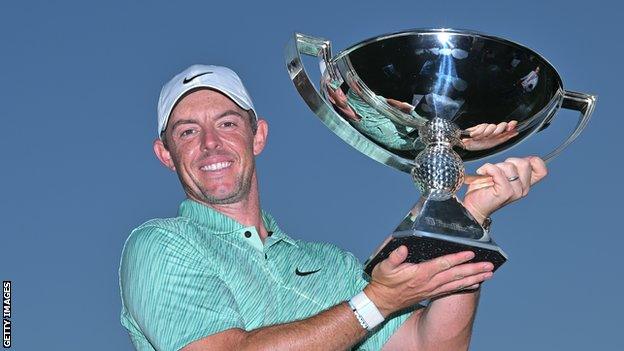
(333, 329)
(446, 324)
(454, 312)
(337, 328)
(395, 286)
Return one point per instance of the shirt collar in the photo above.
(218, 223)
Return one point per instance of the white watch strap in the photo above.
(367, 310)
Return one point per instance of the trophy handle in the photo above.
(321, 48)
(583, 103)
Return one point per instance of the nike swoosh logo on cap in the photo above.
(300, 273)
(187, 80)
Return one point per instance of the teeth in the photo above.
(216, 166)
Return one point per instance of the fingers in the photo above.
(336, 97)
(494, 133)
(538, 169)
(501, 183)
(512, 171)
(469, 282)
(531, 170)
(477, 130)
(523, 168)
(462, 271)
(483, 202)
(485, 130)
(473, 128)
(397, 256)
(394, 260)
(479, 185)
(396, 284)
(500, 128)
(472, 287)
(443, 263)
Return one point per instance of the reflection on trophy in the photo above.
(426, 101)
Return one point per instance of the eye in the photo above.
(228, 124)
(187, 132)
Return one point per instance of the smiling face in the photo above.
(211, 146)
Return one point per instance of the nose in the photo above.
(211, 139)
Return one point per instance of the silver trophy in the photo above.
(424, 102)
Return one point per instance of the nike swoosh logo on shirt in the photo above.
(300, 273)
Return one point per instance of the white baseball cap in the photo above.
(219, 78)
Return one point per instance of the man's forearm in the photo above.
(446, 324)
(336, 328)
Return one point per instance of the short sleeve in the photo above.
(376, 339)
(169, 291)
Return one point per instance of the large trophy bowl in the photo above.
(424, 102)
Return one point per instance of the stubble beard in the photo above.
(241, 191)
(242, 187)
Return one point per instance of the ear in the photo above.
(260, 137)
(163, 154)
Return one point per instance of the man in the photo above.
(223, 276)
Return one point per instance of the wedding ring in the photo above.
(511, 179)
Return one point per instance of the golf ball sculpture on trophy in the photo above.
(425, 101)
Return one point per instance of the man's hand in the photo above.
(485, 136)
(446, 323)
(403, 106)
(339, 100)
(396, 285)
(482, 202)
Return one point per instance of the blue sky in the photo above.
(79, 83)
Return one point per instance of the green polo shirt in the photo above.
(377, 126)
(201, 273)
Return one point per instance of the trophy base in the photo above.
(423, 246)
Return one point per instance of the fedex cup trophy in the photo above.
(425, 101)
